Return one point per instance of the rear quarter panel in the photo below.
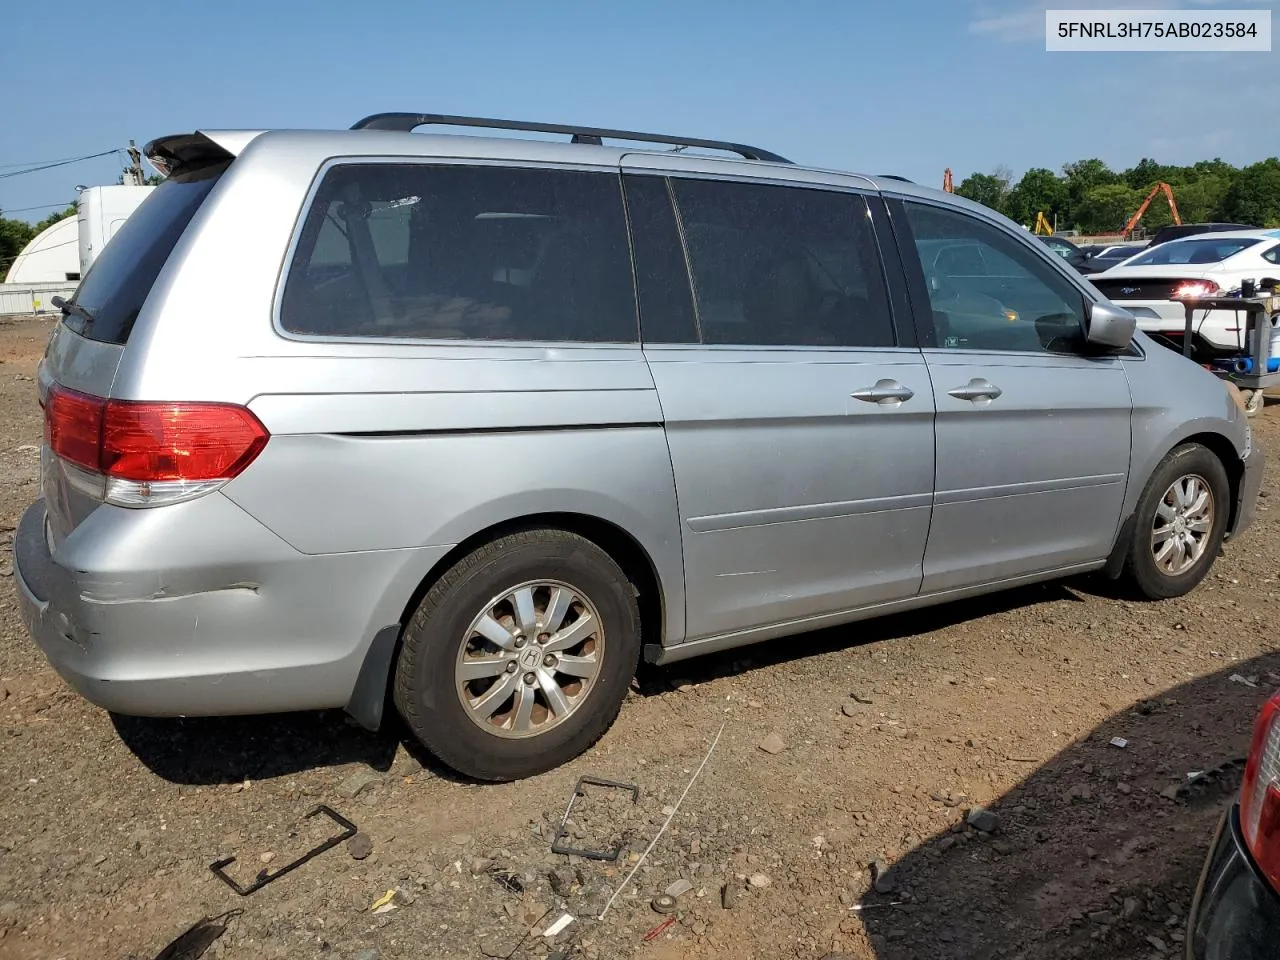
(394, 444)
(428, 451)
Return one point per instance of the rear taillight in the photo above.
(1260, 793)
(1196, 288)
(148, 454)
(73, 426)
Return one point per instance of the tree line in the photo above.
(1090, 197)
(16, 234)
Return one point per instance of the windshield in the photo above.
(1199, 250)
(112, 293)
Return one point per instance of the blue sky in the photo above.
(906, 87)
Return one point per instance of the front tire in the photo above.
(1179, 524)
(520, 655)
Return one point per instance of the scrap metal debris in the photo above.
(266, 876)
(657, 931)
(558, 845)
(508, 881)
(664, 903)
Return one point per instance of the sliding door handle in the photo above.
(978, 388)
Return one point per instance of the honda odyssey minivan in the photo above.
(470, 425)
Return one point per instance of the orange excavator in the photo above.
(1173, 207)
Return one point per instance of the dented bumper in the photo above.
(197, 609)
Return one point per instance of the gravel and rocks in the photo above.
(836, 818)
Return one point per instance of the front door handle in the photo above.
(979, 388)
(884, 392)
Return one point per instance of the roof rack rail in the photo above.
(894, 176)
(406, 122)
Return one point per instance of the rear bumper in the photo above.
(1221, 329)
(1250, 484)
(198, 610)
(1235, 914)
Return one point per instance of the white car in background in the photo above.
(1153, 284)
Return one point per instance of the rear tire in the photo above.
(520, 655)
(1179, 523)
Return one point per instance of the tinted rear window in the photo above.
(120, 279)
(452, 252)
(1206, 250)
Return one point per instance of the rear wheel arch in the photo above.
(624, 548)
(373, 689)
(479, 690)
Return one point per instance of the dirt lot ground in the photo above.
(890, 732)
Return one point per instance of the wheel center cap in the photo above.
(1180, 525)
(530, 658)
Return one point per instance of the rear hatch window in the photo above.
(112, 293)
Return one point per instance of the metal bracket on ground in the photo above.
(558, 845)
(266, 876)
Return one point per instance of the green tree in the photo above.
(1082, 176)
(1146, 173)
(1200, 200)
(1105, 208)
(1254, 195)
(985, 188)
(1038, 190)
(53, 218)
(1216, 167)
(14, 235)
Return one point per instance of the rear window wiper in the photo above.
(70, 308)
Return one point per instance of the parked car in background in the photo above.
(1106, 256)
(1177, 231)
(1154, 284)
(1235, 914)
(486, 420)
(1069, 252)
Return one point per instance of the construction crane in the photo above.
(946, 181)
(1042, 225)
(1173, 207)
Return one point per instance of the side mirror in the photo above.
(1110, 326)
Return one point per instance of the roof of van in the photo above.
(384, 143)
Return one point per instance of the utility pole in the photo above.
(135, 165)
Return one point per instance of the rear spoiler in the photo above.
(187, 151)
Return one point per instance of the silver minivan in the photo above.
(472, 424)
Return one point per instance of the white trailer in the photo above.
(101, 212)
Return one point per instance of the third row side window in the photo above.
(424, 251)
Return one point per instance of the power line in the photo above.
(32, 163)
(38, 206)
(52, 246)
(59, 163)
